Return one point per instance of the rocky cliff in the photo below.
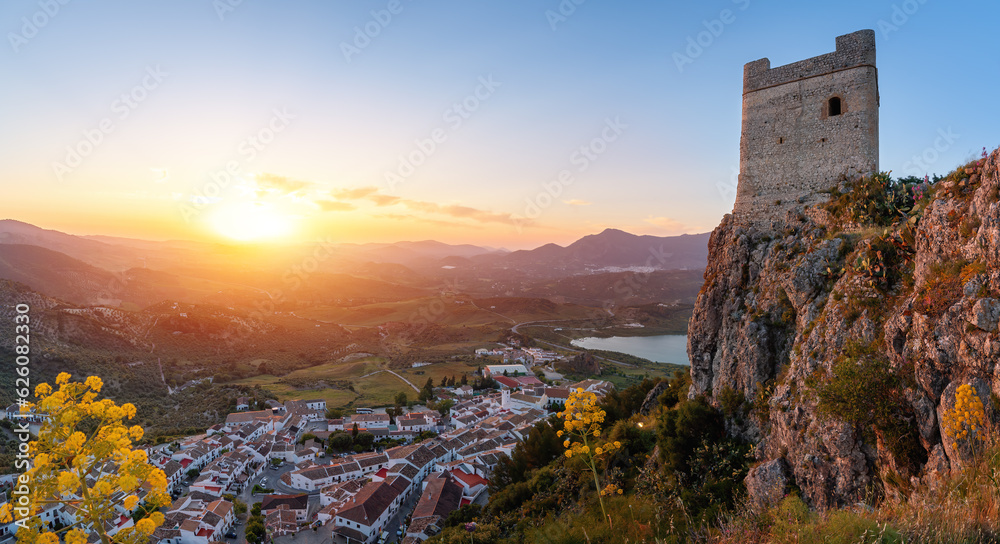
(835, 340)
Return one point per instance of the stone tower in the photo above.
(804, 125)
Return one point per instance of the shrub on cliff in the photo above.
(866, 393)
(873, 200)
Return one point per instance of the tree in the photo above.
(340, 442)
(354, 430)
(334, 413)
(427, 393)
(465, 380)
(393, 413)
(80, 438)
(582, 425)
(365, 440)
(255, 529)
(444, 406)
(401, 399)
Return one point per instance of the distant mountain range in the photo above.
(613, 250)
(114, 271)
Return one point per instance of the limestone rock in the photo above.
(652, 398)
(782, 303)
(985, 314)
(766, 483)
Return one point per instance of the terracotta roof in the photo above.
(557, 393)
(470, 480)
(509, 382)
(295, 502)
(440, 497)
(369, 503)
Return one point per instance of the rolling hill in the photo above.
(615, 249)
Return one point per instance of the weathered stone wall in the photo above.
(791, 147)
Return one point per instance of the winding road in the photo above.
(515, 327)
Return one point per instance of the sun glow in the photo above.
(252, 221)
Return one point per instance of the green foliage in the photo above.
(444, 407)
(864, 392)
(875, 200)
(884, 260)
(791, 521)
(677, 389)
(684, 429)
(619, 405)
(427, 392)
(537, 450)
(463, 515)
(732, 402)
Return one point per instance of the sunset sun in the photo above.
(252, 221)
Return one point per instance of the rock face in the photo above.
(766, 482)
(780, 307)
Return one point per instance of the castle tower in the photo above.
(804, 125)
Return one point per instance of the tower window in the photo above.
(834, 106)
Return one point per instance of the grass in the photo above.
(963, 508)
(380, 390)
(335, 398)
(375, 390)
(439, 371)
(435, 309)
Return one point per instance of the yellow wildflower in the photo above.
(76, 536)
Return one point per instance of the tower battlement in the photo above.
(804, 125)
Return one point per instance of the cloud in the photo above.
(668, 224)
(456, 211)
(438, 222)
(279, 184)
(353, 194)
(577, 202)
(335, 206)
(384, 200)
(465, 212)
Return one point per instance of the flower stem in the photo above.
(597, 483)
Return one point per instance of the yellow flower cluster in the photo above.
(968, 415)
(582, 414)
(611, 489)
(582, 419)
(84, 456)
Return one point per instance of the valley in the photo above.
(177, 325)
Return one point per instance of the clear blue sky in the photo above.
(560, 81)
